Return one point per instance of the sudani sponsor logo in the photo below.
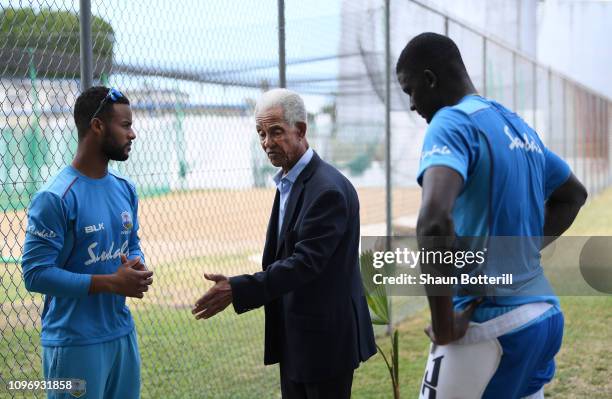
(93, 228)
(44, 233)
(529, 145)
(435, 150)
(110, 253)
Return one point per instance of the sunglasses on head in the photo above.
(113, 95)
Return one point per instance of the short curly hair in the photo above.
(88, 102)
(432, 51)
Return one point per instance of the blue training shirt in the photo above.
(79, 226)
(508, 173)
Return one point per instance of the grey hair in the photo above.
(293, 106)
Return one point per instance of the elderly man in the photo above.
(318, 325)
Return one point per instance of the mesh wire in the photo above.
(192, 71)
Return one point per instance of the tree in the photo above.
(52, 38)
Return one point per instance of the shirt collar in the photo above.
(295, 171)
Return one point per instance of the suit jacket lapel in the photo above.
(296, 192)
(271, 234)
(294, 197)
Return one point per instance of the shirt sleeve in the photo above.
(447, 143)
(134, 245)
(556, 172)
(45, 233)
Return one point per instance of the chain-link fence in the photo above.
(192, 71)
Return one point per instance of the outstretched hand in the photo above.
(216, 299)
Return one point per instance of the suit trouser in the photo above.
(337, 388)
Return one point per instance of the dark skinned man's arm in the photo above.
(562, 207)
(436, 231)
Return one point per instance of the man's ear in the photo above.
(431, 78)
(301, 126)
(97, 126)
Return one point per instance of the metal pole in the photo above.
(608, 132)
(282, 66)
(550, 109)
(518, 28)
(598, 146)
(388, 119)
(608, 138)
(602, 142)
(445, 26)
(594, 147)
(34, 157)
(86, 45)
(534, 83)
(565, 128)
(579, 123)
(388, 187)
(484, 66)
(514, 81)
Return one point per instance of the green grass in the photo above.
(181, 357)
(584, 364)
(217, 358)
(11, 283)
(223, 357)
(595, 218)
(372, 378)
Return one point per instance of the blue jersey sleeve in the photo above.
(556, 172)
(448, 143)
(45, 234)
(134, 246)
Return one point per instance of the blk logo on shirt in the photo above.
(94, 228)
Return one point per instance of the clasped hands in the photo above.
(216, 299)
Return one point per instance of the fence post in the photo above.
(35, 156)
(550, 108)
(534, 82)
(514, 81)
(603, 143)
(608, 126)
(282, 65)
(388, 187)
(484, 66)
(86, 45)
(564, 119)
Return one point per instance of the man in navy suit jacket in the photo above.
(318, 324)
